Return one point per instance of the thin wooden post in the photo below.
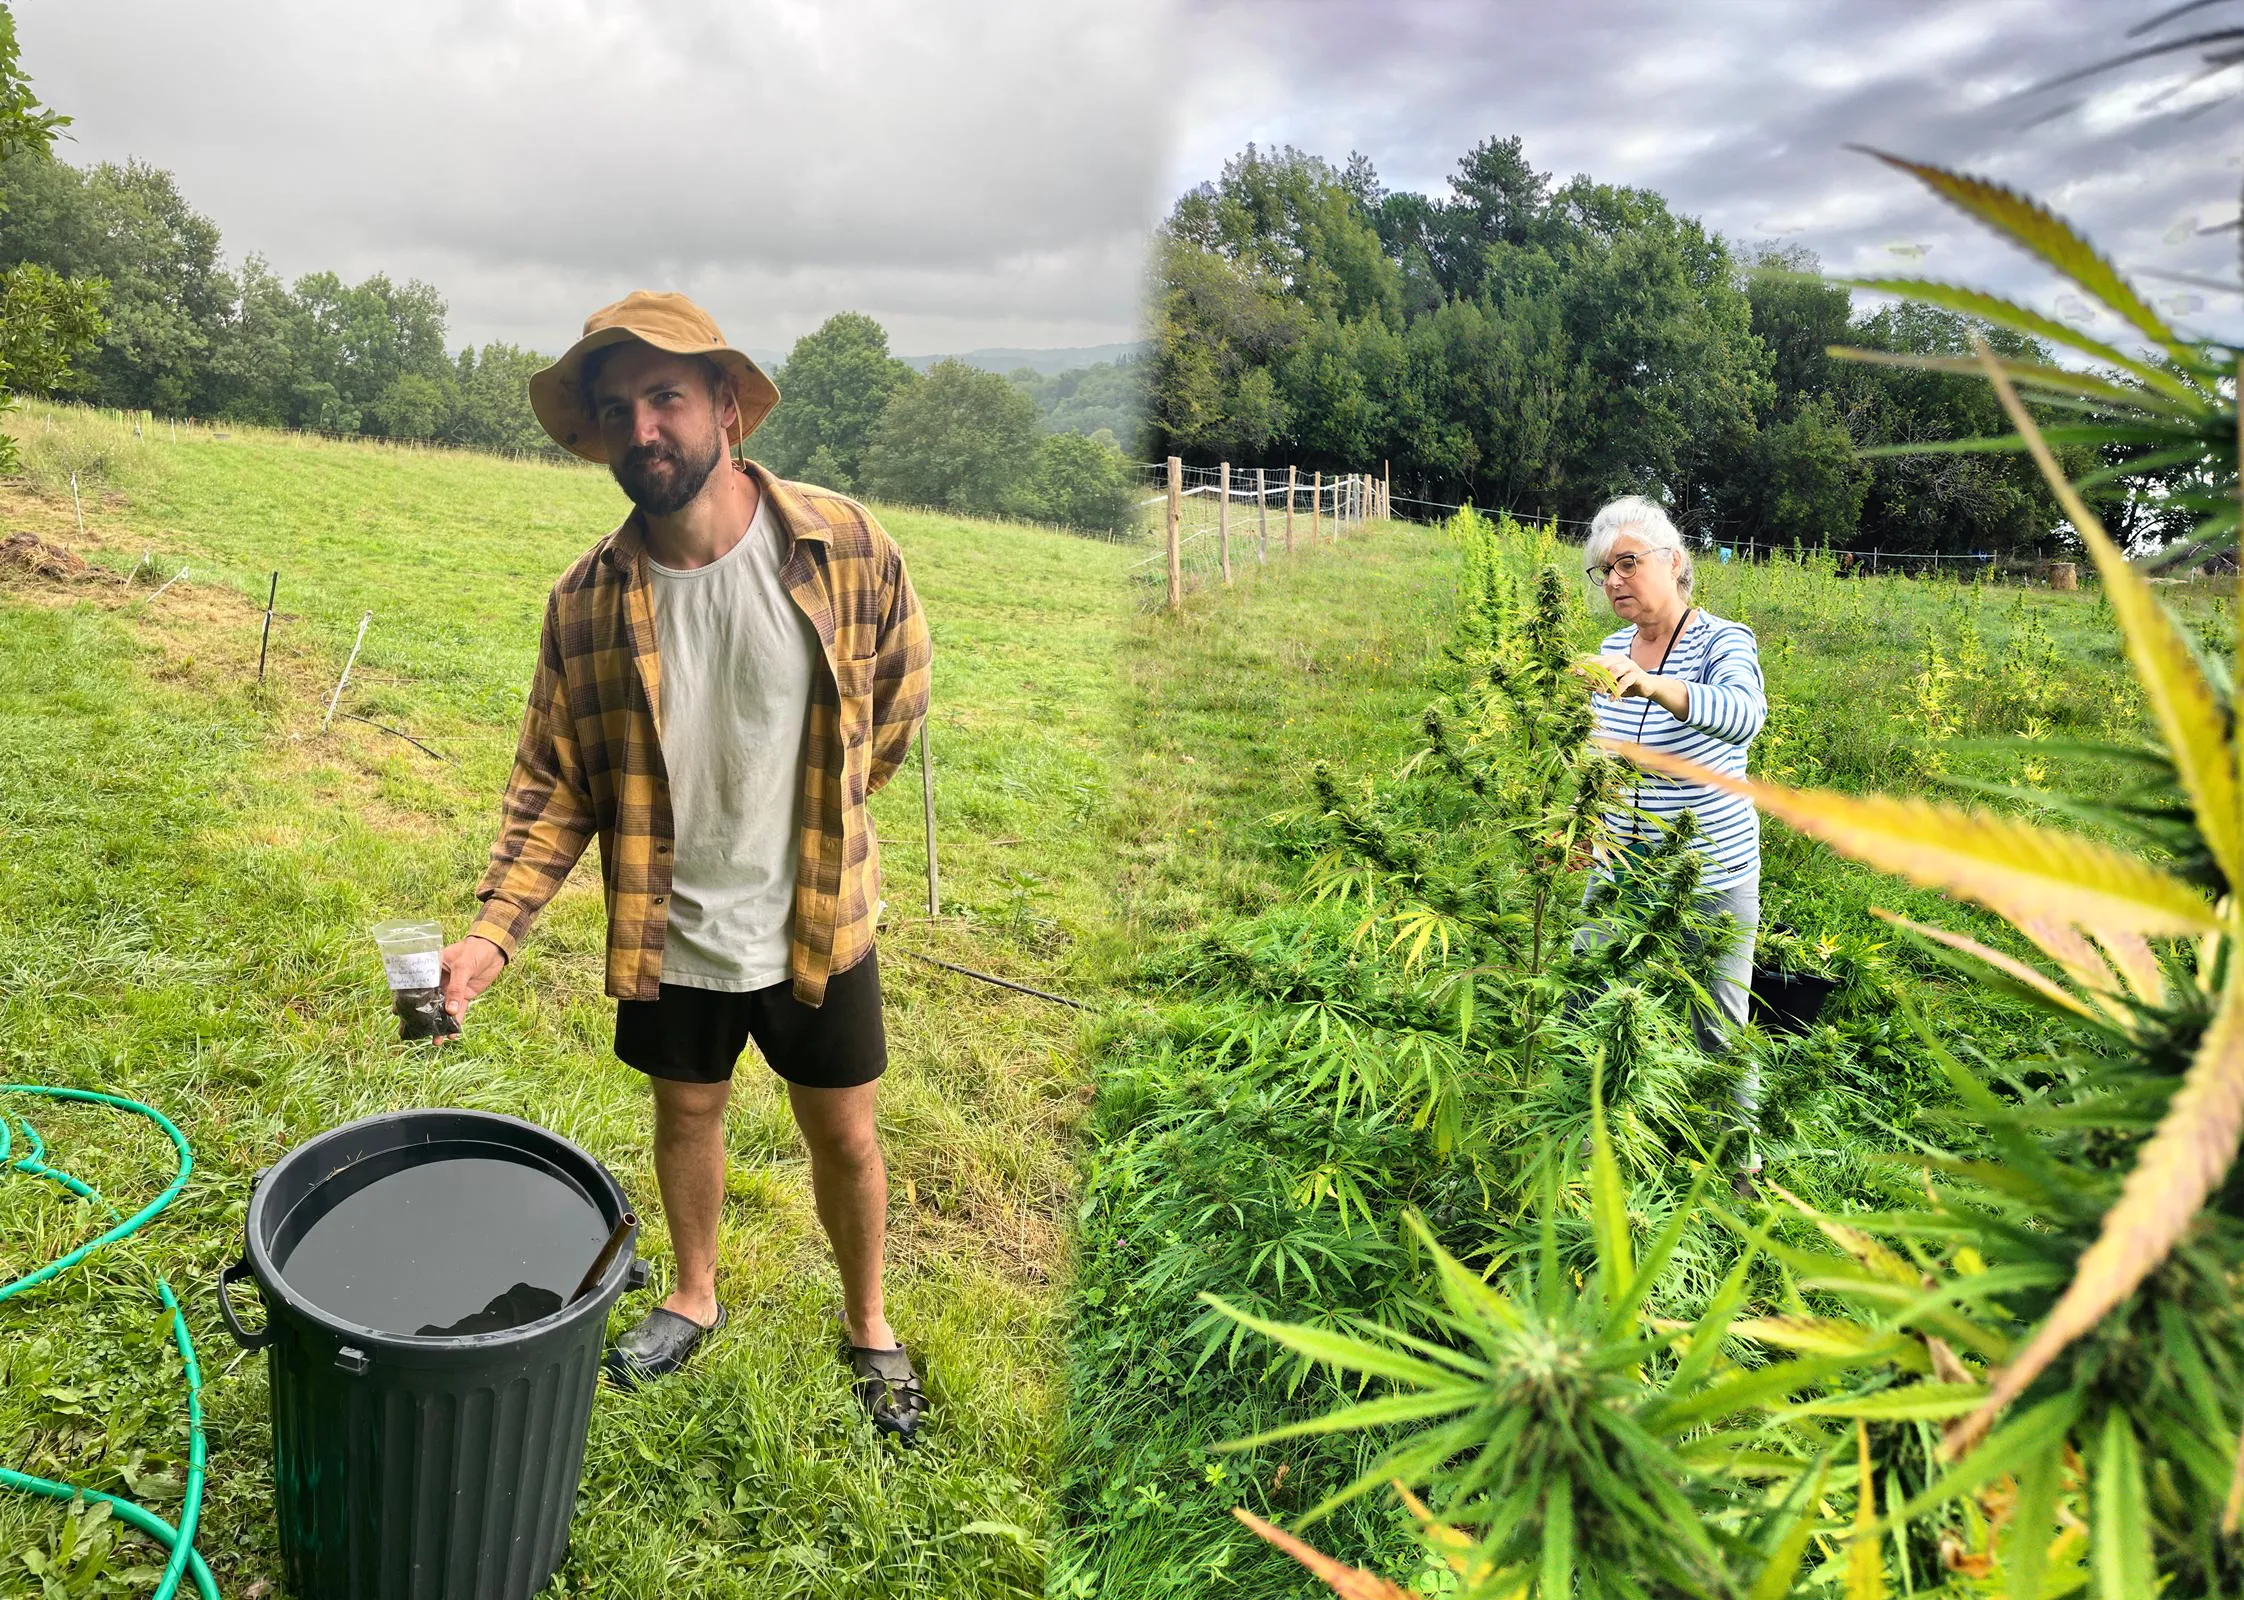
(1293, 479)
(1176, 553)
(1223, 518)
(1387, 491)
(927, 806)
(1262, 519)
(1316, 504)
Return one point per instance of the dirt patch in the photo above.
(28, 555)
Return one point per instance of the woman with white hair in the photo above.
(1689, 683)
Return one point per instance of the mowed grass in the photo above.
(190, 866)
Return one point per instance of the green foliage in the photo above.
(25, 124)
(491, 401)
(1381, 1038)
(46, 322)
(1545, 348)
(833, 388)
(1081, 482)
(962, 440)
(2151, 433)
(1107, 396)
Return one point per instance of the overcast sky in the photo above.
(971, 172)
(1740, 110)
(983, 172)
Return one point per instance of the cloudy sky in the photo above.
(983, 172)
(1740, 111)
(972, 172)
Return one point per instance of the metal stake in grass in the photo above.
(1262, 518)
(75, 506)
(346, 677)
(266, 636)
(167, 583)
(927, 804)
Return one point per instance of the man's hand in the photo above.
(469, 968)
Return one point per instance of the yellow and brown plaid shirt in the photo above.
(590, 757)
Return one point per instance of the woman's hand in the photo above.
(1632, 682)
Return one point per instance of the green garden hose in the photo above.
(180, 1541)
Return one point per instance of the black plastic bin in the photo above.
(421, 1466)
(1789, 1002)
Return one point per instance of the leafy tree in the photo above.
(1797, 316)
(491, 407)
(1807, 481)
(1932, 502)
(835, 385)
(1291, 218)
(25, 124)
(1081, 481)
(963, 440)
(169, 298)
(46, 322)
(1215, 325)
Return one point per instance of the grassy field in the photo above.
(190, 865)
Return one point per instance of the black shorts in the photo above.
(696, 1035)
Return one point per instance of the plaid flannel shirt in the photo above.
(590, 757)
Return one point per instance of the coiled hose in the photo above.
(180, 1541)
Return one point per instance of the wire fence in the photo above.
(1708, 543)
(1208, 524)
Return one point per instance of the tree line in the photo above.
(176, 332)
(115, 290)
(1542, 348)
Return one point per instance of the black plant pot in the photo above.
(1789, 1002)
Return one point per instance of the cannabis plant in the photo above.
(2041, 1364)
(2161, 418)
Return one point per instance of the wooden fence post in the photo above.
(1176, 555)
(1262, 519)
(1316, 503)
(1293, 478)
(1387, 491)
(1223, 518)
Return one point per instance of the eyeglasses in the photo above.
(1625, 564)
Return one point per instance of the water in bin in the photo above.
(460, 1246)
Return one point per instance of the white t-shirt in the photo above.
(737, 659)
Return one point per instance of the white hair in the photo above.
(1644, 518)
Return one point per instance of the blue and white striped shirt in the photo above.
(1727, 706)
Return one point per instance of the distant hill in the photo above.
(1042, 362)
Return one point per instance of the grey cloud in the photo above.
(1740, 111)
(970, 173)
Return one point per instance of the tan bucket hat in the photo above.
(668, 322)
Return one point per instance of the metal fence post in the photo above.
(1223, 518)
(1176, 554)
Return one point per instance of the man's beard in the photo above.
(660, 496)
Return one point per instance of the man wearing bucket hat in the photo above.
(721, 682)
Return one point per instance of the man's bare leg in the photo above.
(689, 1156)
(849, 1181)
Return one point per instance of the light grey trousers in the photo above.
(1732, 984)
